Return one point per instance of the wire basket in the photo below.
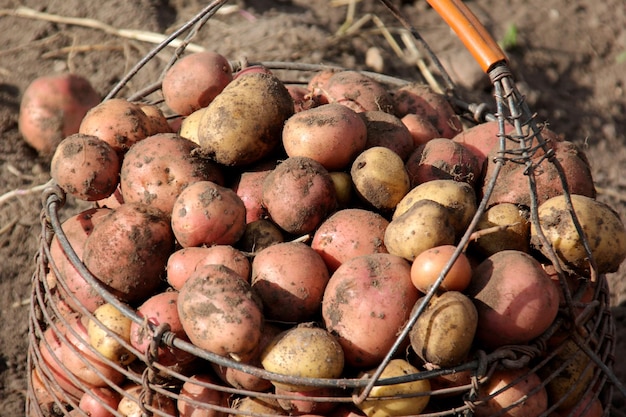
(55, 390)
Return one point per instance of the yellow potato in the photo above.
(423, 226)
(572, 381)
(189, 126)
(244, 122)
(380, 178)
(397, 406)
(107, 345)
(602, 226)
(303, 351)
(516, 236)
(444, 332)
(458, 196)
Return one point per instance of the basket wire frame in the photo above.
(517, 148)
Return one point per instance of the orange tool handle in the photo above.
(470, 31)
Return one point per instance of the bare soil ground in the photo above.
(569, 58)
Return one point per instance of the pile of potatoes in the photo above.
(296, 229)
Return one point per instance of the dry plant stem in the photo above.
(22, 192)
(138, 35)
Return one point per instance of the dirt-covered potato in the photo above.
(443, 334)
(128, 250)
(457, 196)
(420, 99)
(85, 167)
(442, 158)
(259, 235)
(602, 226)
(366, 302)
(357, 91)
(299, 194)
(515, 236)
(205, 213)
(425, 225)
(220, 313)
(118, 122)
(303, 351)
(331, 134)
(244, 122)
(379, 177)
(155, 170)
(385, 129)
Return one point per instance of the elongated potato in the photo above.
(458, 196)
(244, 122)
(603, 228)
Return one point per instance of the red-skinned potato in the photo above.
(442, 158)
(525, 396)
(220, 313)
(331, 134)
(317, 85)
(52, 108)
(385, 129)
(298, 403)
(183, 262)
(243, 380)
(299, 194)
(195, 80)
(357, 91)
(76, 229)
(83, 361)
(249, 187)
(512, 184)
(482, 139)
(85, 167)
(100, 402)
(155, 170)
(289, 278)
(422, 100)
(44, 398)
(160, 309)
(420, 128)
(200, 387)
(512, 310)
(349, 233)
(128, 250)
(302, 99)
(118, 122)
(366, 302)
(206, 213)
(52, 367)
